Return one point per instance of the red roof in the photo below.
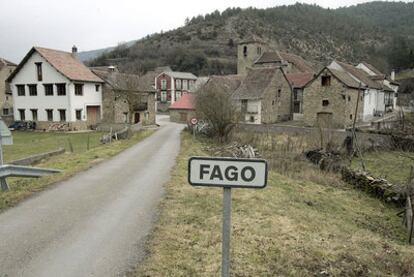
(63, 62)
(299, 80)
(186, 102)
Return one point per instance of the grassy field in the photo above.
(30, 143)
(70, 163)
(294, 227)
(393, 166)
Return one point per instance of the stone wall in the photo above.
(277, 100)
(61, 126)
(176, 115)
(6, 100)
(125, 106)
(252, 55)
(341, 100)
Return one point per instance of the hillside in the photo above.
(378, 32)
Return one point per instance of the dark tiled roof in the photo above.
(342, 76)
(63, 62)
(4, 62)
(126, 82)
(372, 68)
(225, 84)
(282, 57)
(360, 75)
(299, 80)
(255, 83)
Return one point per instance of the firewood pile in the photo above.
(378, 187)
(233, 150)
(61, 127)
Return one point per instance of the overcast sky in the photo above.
(93, 24)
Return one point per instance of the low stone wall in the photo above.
(365, 139)
(116, 127)
(61, 126)
(38, 157)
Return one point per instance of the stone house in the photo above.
(127, 98)
(390, 86)
(297, 83)
(182, 110)
(330, 99)
(6, 98)
(377, 96)
(52, 86)
(264, 96)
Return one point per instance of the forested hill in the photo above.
(381, 33)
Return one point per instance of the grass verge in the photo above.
(26, 143)
(70, 163)
(291, 228)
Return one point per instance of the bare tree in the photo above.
(214, 103)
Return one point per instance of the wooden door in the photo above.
(325, 120)
(93, 114)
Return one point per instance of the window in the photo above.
(350, 116)
(22, 114)
(62, 115)
(178, 84)
(32, 90)
(78, 114)
(5, 111)
(279, 92)
(163, 84)
(245, 51)
(48, 89)
(34, 114)
(126, 117)
(185, 84)
(326, 81)
(163, 96)
(20, 90)
(325, 103)
(96, 87)
(49, 113)
(79, 89)
(39, 71)
(349, 98)
(61, 89)
(259, 50)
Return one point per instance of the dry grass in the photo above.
(291, 228)
(70, 163)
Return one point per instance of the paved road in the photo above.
(95, 223)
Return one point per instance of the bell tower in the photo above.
(248, 51)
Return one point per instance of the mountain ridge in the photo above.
(380, 33)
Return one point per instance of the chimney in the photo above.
(74, 51)
(393, 75)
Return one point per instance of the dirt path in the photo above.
(95, 223)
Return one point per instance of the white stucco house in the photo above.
(377, 97)
(54, 86)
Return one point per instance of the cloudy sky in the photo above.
(93, 24)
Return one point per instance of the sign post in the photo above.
(227, 173)
(194, 122)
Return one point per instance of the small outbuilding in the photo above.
(182, 110)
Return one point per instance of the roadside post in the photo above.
(227, 173)
(194, 122)
(7, 170)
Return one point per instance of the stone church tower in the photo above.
(248, 52)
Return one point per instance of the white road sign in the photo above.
(227, 172)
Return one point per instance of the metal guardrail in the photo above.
(25, 171)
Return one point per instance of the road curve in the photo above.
(95, 223)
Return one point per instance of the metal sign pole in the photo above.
(225, 251)
(3, 182)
